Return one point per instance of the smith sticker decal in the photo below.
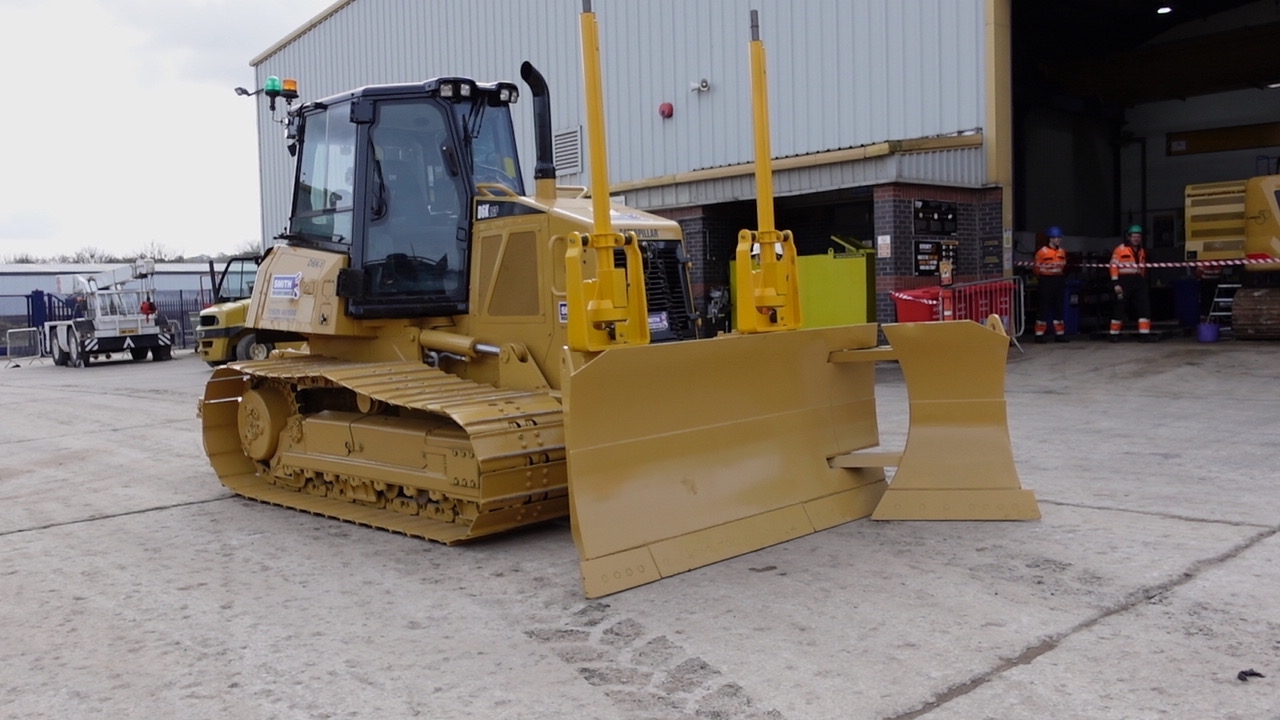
(286, 286)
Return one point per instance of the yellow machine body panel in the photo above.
(297, 291)
(1215, 226)
(216, 341)
(1235, 220)
(1262, 215)
(1240, 220)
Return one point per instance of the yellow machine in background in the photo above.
(1239, 220)
(221, 335)
(838, 287)
(482, 359)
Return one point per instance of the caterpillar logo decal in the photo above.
(643, 233)
(488, 210)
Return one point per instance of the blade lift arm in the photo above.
(609, 309)
(767, 298)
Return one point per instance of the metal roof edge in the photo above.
(953, 141)
(182, 268)
(307, 26)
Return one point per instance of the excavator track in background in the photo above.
(399, 446)
(1255, 313)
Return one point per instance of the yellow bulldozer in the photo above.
(481, 358)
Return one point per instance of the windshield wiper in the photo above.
(311, 237)
(379, 208)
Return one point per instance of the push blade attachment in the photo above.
(685, 454)
(958, 461)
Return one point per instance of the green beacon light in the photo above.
(272, 88)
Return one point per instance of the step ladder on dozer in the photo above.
(1220, 309)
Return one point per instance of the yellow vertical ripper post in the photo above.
(609, 309)
(767, 297)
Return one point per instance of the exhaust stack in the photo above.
(544, 169)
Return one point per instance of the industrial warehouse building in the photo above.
(922, 129)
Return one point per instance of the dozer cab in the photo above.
(482, 358)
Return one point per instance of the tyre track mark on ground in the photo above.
(644, 675)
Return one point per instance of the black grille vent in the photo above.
(666, 289)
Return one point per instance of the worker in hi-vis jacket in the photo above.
(1050, 266)
(1129, 281)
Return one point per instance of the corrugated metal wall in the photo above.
(842, 73)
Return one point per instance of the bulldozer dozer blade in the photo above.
(685, 454)
(958, 462)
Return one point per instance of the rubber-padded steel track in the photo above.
(516, 437)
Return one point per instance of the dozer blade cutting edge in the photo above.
(684, 455)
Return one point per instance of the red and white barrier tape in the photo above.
(906, 294)
(1187, 263)
(901, 295)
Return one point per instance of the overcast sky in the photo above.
(121, 127)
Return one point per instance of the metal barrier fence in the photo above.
(179, 307)
(22, 344)
(1004, 297)
(976, 301)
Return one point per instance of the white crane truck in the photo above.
(112, 316)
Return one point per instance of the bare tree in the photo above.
(158, 252)
(90, 254)
(248, 247)
(22, 258)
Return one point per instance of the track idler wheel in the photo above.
(262, 415)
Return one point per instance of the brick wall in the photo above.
(978, 214)
(710, 237)
(711, 234)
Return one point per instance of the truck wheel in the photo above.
(162, 352)
(138, 353)
(250, 349)
(77, 356)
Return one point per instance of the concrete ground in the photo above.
(133, 585)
